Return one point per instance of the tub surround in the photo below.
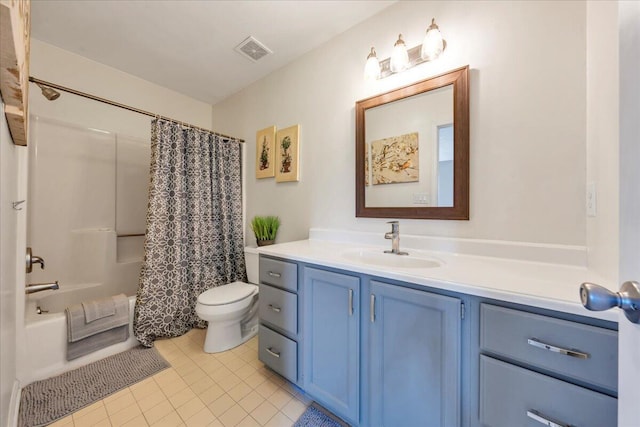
(516, 273)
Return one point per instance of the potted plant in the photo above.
(265, 229)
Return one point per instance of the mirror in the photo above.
(412, 150)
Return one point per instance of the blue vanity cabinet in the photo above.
(536, 369)
(415, 357)
(332, 341)
(278, 310)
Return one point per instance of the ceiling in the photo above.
(188, 46)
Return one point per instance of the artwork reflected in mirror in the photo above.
(412, 149)
(394, 160)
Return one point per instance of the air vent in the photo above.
(252, 49)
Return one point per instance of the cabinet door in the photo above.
(415, 358)
(332, 341)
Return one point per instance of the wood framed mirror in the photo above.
(412, 150)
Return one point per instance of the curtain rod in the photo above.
(124, 106)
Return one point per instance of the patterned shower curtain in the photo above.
(194, 238)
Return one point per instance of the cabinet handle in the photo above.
(276, 275)
(273, 353)
(372, 308)
(350, 302)
(274, 308)
(572, 353)
(545, 420)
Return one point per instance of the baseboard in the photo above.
(14, 404)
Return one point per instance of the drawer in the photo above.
(535, 339)
(278, 352)
(513, 396)
(279, 273)
(279, 308)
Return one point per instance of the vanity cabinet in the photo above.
(380, 352)
(540, 370)
(332, 340)
(278, 339)
(414, 352)
(410, 344)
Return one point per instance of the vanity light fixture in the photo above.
(433, 43)
(402, 58)
(372, 67)
(399, 56)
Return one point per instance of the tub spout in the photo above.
(37, 287)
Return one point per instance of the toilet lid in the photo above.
(226, 294)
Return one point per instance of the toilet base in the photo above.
(224, 338)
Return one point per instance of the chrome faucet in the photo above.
(394, 236)
(38, 287)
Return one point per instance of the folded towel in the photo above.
(97, 342)
(78, 328)
(98, 309)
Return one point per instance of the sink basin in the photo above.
(382, 259)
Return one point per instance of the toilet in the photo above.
(231, 310)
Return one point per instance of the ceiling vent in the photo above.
(252, 49)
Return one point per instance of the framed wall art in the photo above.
(265, 152)
(287, 154)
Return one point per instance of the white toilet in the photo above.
(231, 310)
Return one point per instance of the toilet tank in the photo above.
(253, 267)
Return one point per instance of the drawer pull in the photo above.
(545, 420)
(350, 302)
(573, 353)
(276, 275)
(274, 308)
(273, 353)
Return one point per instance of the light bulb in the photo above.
(433, 44)
(372, 67)
(399, 56)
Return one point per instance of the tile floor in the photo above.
(227, 389)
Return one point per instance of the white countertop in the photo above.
(539, 284)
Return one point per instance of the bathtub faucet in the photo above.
(37, 287)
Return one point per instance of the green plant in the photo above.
(286, 143)
(265, 227)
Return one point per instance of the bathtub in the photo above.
(46, 336)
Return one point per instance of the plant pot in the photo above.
(265, 242)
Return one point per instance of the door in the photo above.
(415, 357)
(332, 341)
(629, 338)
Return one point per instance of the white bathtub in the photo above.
(46, 341)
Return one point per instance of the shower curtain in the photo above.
(194, 238)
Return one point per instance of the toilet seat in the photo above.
(227, 294)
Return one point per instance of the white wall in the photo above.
(527, 108)
(11, 221)
(67, 69)
(602, 137)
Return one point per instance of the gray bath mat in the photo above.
(317, 416)
(45, 401)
